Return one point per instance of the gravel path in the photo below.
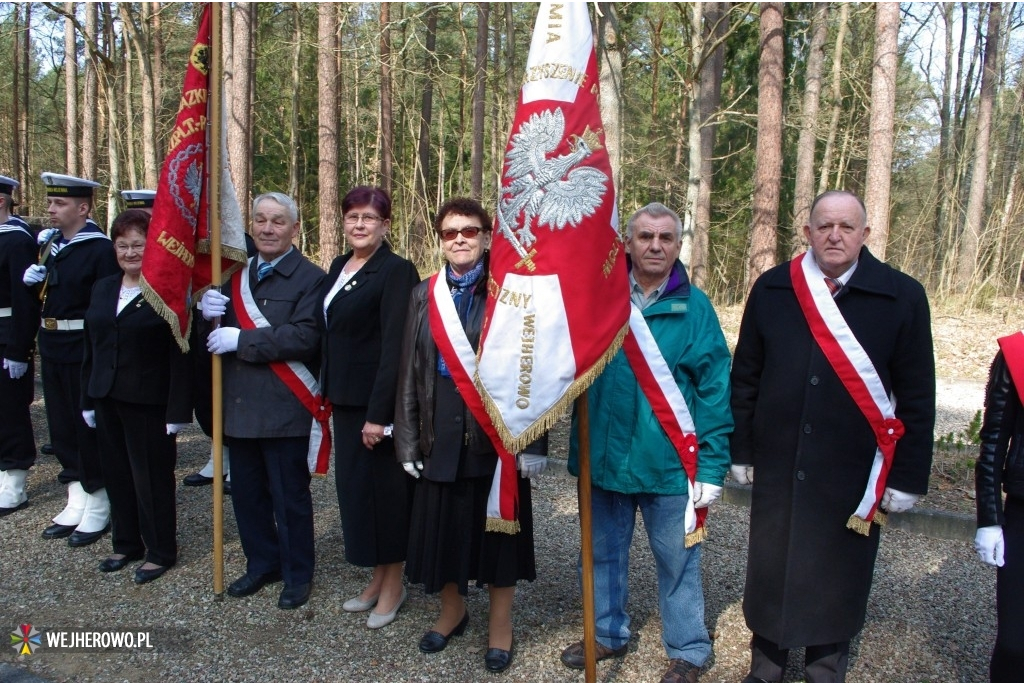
(931, 615)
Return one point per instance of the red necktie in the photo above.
(834, 285)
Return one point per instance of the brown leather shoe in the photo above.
(681, 671)
(573, 656)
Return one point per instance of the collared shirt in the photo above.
(274, 262)
(636, 292)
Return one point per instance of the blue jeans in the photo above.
(680, 589)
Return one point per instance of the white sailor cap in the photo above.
(59, 185)
(7, 185)
(137, 199)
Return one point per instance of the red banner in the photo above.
(176, 267)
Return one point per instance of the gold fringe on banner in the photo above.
(499, 525)
(696, 537)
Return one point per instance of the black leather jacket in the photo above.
(1000, 465)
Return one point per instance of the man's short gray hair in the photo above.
(280, 198)
(655, 210)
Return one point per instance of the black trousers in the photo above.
(1008, 657)
(273, 506)
(17, 444)
(822, 663)
(138, 460)
(73, 441)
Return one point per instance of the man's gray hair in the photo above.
(280, 198)
(655, 210)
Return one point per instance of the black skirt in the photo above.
(448, 544)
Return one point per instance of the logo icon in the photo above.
(25, 639)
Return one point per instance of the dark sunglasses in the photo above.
(450, 234)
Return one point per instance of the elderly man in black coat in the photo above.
(272, 319)
(833, 394)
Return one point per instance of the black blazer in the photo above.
(362, 333)
(132, 356)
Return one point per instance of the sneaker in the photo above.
(681, 671)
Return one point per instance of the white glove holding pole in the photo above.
(413, 468)
(175, 428)
(223, 340)
(45, 235)
(213, 304)
(704, 494)
(531, 465)
(34, 274)
(989, 544)
(897, 501)
(744, 475)
(89, 416)
(15, 369)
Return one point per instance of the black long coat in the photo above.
(808, 576)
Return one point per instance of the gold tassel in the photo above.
(859, 525)
(499, 525)
(881, 518)
(695, 537)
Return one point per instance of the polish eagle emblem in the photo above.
(556, 191)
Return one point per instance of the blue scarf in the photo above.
(462, 288)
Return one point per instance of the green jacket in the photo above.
(629, 451)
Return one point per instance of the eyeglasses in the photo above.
(122, 247)
(367, 218)
(449, 234)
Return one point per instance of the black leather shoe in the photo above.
(294, 596)
(433, 641)
(247, 585)
(573, 656)
(57, 531)
(47, 449)
(80, 539)
(4, 511)
(195, 479)
(144, 575)
(110, 564)
(497, 660)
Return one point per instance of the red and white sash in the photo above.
(1013, 353)
(659, 387)
(293, 374)
(858, 374)
(458, 354)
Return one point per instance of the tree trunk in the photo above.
(837, 98)
(693, 147)
(424, 180)
(710, 100)
(90, 103)
(770, 77)
(16, 104)
(611, 86)
(155, 29)
(108, 79)
(804, 190)
(238, 86)
(140, 40)
(479, 100)
(293, 153)
(130, 132)
(881, 135)
(327, 113)
(387, 125)
(974, 219)
(71, 91)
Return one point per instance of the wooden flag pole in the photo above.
(586, 539)
(214, 147)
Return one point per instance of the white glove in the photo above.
(413, 468)
(897, 501)
(531, 465)
(223, 340)
(988, 543)
(89, 416)
(45, 235)
(213, 304)
(704, 494)
(744, 475)
(175, 428)
(34, 274)
(16, 369)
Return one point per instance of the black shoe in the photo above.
(57, 531)
(80, 539)
(573, 655)
(110, 564)
(227, 487)
(294, 596)
(433, 641)
(497, 660)
(247, 585)
(144, 575)
(4, 511)
(195, 479)
(47, 449)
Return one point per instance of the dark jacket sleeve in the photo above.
(1001, 408)
(747, 363)
(24, 302)
(407, 404)
(394, 306)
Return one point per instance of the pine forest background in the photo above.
(734, 114)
